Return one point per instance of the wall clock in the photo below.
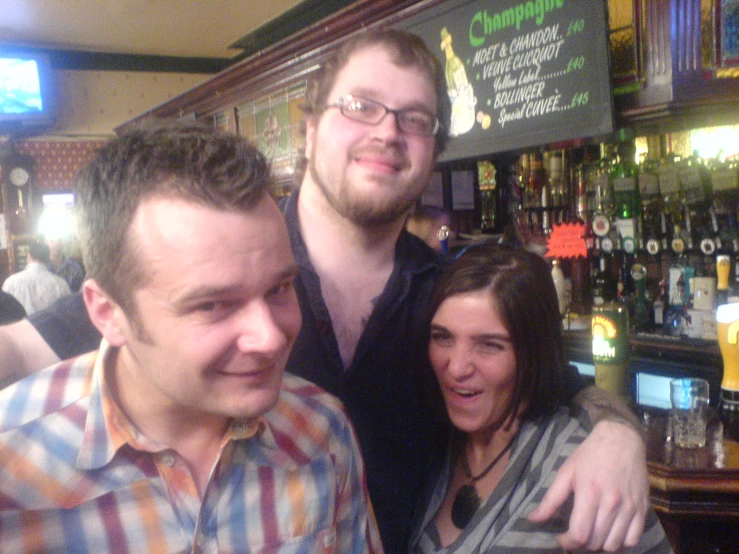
(17, 184)
(19, 176)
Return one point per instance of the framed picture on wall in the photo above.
(433, 194)
(463, 190)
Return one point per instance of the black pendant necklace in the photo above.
(467, 499)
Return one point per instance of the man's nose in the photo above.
(259, 331)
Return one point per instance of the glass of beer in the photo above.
(727, 327)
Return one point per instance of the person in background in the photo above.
(377, 118)
(427, 222)
(63, 266)
(501, 371)
(35, 287)
(182, 433)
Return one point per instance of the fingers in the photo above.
(582, 531)
(606, 522)
(636, 526)
(558, 493)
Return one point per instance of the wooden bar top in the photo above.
(701, 481)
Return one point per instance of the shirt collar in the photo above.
(409, 257)
(108, 429)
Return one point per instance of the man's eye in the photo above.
(416, 117)
(358, 106)
(417, 120)
(216, 307)
(281, 290)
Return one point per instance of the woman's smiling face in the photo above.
(474, 360)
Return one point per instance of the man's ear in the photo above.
(310, 131)
(105, 314)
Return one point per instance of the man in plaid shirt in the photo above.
(181, 434)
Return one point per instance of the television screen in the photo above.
(25, 92)
(20, 88)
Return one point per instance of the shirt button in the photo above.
(200, 539)
(168, 459)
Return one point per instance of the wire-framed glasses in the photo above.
(363, 110)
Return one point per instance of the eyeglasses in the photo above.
(411, 121)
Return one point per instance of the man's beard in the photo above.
(361, 210)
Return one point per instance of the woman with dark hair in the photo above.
(498, 352)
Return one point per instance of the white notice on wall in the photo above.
(3, 233)
(433, 194)
(463, 190)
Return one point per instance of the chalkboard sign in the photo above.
(520, 73)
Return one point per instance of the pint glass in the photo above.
(727, 326)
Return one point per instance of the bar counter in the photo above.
(695, 492)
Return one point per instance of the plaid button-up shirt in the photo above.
(77, 476)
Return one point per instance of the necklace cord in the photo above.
(468, 471)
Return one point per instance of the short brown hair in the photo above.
(191, 161)
(39, 252)
(406, 50)
(520, 284)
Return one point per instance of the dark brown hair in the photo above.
(191, 161)
(39, 252)
(521, 287)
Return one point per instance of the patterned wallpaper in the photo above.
(57, 163)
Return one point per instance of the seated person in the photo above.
(182, 433)
(501, 368)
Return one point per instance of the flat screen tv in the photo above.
(26, 96)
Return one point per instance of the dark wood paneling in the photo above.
(675, 94)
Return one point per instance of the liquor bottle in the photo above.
(604, 287)
(556, 186)
(488, 196)
(560, 285)
(651, 228)
(711, 240)
(541, 186)
(641, 320)
(625, 175)
(694, 181)
(539, 192)
(581, 193)
(649, 218)
(604, 183)
(648, 179)
(658, 306)
(669, 186)
(724, 175)
(687, 231)
(677, 290)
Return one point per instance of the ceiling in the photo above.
(88, 34)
